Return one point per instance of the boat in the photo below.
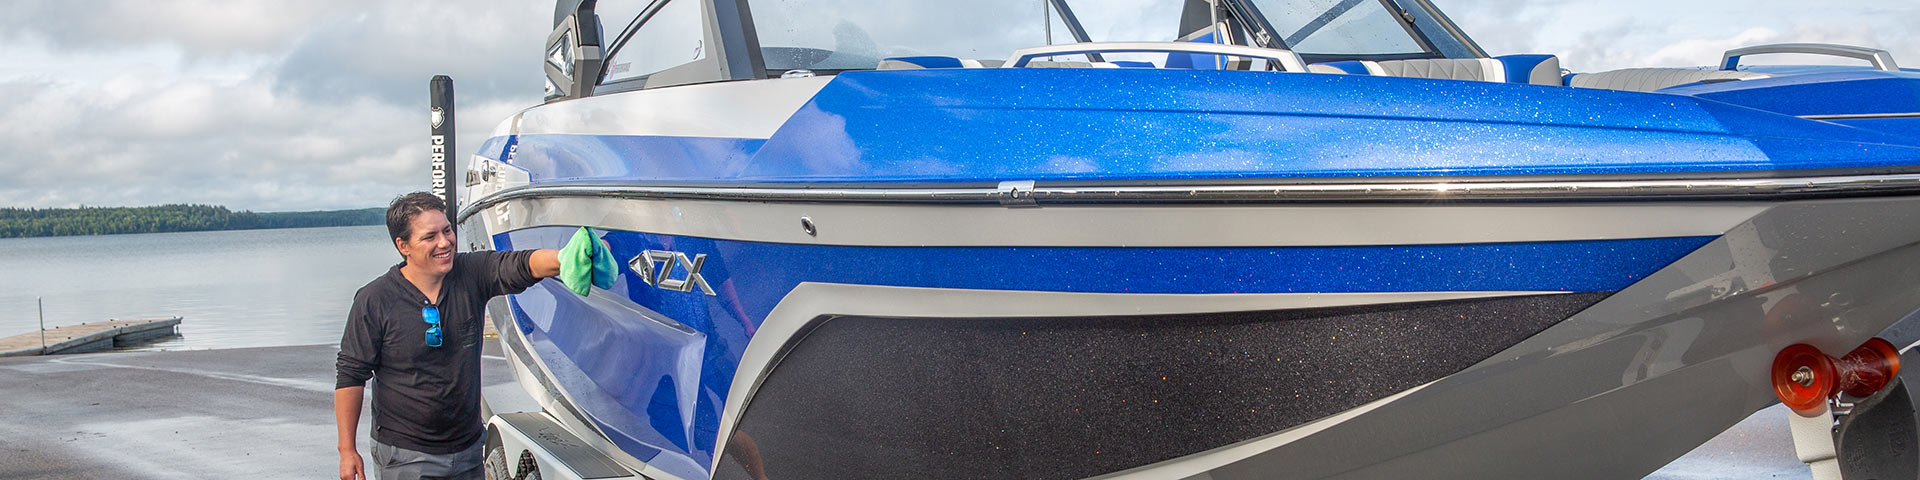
(1267, 239)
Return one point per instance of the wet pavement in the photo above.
(1759, 447)
(268, 413)
(238, 413)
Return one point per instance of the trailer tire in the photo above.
(495, 461)
(528, 468)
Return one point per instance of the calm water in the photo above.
(248, 288)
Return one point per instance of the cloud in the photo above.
(252, 105)
(1600, 36)
(306, 105)
(189, 140)
(390, 50)
(199, 26)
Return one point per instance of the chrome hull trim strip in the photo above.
(1191, 225)
(1597, 190)
(1860, 116)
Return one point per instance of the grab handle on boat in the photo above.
(1881, 60)
(1288, 61)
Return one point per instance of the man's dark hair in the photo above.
(401, 212)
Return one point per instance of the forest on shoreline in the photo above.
(54, 222)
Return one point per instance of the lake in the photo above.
(239, 288)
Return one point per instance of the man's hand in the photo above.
(351, 467)
(346, 414)
(586, 262)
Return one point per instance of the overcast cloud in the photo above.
(320, 105)
(252, 105)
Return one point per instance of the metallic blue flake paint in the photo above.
(654, 366)
(1822, 91)
(1909, 126)
(985, 125)
(1827, 91)
(644, 383)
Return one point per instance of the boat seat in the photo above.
(1481, 69)
(1478, 69)
(1348, 67)
(1650, 79)
(916, 63)
(1198, 61)
(1069, 64)
(1534, 69)
(934, 61)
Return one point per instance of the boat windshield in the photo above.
(1338, 27)
(847, 35)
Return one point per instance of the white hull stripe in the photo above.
(1124, 225)
(723, 110)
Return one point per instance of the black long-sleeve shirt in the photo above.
(426, 398)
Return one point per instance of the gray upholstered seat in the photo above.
(1480, 69)
(1650, 79)
(915, 63)
(1534, 69)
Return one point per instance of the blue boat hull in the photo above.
(1251, 269)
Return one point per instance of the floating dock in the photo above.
(88, 337)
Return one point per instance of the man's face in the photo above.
(429, 243)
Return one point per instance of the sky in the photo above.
(276, 106)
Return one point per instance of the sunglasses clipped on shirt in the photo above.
(432, 315)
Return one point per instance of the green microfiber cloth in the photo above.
(586, 262)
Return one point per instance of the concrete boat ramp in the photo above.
(239, 413)
(268, 413)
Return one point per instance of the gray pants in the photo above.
(395, 463)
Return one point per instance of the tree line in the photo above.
(51, 222)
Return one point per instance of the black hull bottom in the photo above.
(1063, 398)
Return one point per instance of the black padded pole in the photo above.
(440, 93)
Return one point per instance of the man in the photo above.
(415, 331)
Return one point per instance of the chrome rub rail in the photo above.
(1026, 193)
(1860, 116)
